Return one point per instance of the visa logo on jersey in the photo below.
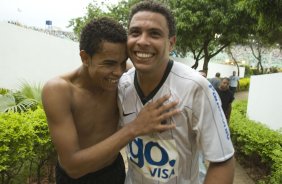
(157, 159)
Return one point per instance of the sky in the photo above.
(36, 12)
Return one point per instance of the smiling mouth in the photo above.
(113, 81)
(143, 55)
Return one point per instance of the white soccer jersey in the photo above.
(171, 157)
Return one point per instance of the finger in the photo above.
(160, 101)
(167, 107)
(162, 128)
(169, 114)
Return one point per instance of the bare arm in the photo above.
(220, 173)
(77, 161)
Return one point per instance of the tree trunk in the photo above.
(196, 64)
(206, 63)
(238, 68)
(260, 67)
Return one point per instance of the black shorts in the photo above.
(112, 174)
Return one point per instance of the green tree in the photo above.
(205, 28)
(268, 16)
(230, 54)
(119, 12)
(266, 28)
(93, 10)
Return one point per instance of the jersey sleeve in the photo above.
(209, 119)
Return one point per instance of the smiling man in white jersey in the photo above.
(171, 157)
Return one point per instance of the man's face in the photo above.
(148, 42)
(106, 67)
(224, 84)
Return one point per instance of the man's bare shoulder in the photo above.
(56, 90)
(63, 80)
(57, 82)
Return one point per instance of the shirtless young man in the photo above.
(82, 113)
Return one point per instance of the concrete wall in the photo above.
(33, 56)
(224, 70)
(265, 100)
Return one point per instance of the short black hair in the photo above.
(155, 7)
(217, 74)
(99, 30)
(225, 78)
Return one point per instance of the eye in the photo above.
(108, 64)
(155, 33)
(134, 33)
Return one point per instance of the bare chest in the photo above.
(96, 117)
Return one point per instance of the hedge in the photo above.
(244, 84)
(256, 145)
(25, 143)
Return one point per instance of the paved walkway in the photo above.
(242, 95)
(241, 177)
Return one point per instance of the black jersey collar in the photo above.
(145, 99)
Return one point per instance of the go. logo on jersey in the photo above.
(157, 159)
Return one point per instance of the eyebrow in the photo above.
(151, 29)
(135, 27)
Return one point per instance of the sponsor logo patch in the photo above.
(155, 159)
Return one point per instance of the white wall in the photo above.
(33, 56)
(224, 70)
(36, 57)
(265, 100)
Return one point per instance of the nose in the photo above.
(143, 40)
(118, 71)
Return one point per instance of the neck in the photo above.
(148, 81)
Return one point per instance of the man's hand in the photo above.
(150, 118)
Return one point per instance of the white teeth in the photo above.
(113, 81)
(143, 55)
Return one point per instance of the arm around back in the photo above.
(76, 160)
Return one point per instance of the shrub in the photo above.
(25, 143)
(16, 140)
(248, 71)
(244, 84)
(256, 145)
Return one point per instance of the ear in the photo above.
(85, 58)
(172, 41)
